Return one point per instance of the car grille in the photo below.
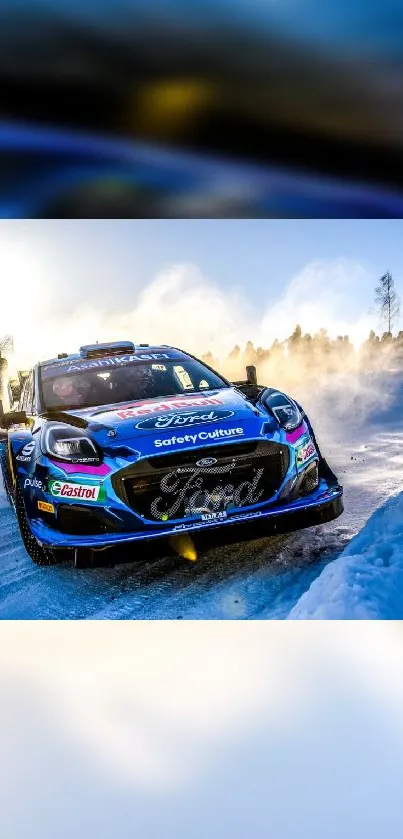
(167, 487)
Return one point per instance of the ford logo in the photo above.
(207, 461)
(186, 419)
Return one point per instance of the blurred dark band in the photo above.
(244, 84)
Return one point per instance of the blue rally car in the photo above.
(125, 443)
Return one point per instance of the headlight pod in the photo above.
(288, 416)
(285, 410)
(64, 442)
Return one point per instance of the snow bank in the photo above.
(366, 580)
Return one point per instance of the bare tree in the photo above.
(6, 344)
(387, 301)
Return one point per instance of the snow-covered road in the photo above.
(359, 424)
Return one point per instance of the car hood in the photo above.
(167, 418)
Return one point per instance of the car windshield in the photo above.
(66, 388)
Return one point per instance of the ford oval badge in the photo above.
(207, 461)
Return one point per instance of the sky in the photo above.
(200, 284)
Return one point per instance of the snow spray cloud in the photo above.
(179, 306)
(320, 350)
(182, 307)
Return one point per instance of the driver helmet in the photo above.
(66, 389)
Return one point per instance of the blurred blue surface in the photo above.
(48, 173)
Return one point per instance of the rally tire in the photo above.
(7, 478)
(39, 554)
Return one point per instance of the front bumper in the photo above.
(285, 518)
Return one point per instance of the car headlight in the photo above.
(288, 416)
(64, 442)
(285, 410)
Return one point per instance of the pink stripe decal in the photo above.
(80, 468)
(293, 436)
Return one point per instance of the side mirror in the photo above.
(251, 375)
(13, 418)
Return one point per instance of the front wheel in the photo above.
(6, 473)
(38, 554)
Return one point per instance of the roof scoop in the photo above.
(100, 350)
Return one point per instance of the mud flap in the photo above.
(83, 558)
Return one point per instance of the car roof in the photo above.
(139, 349)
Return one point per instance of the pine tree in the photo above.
(387, 301)
(294, 341)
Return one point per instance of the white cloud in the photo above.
(320, 296)
(179, 306)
